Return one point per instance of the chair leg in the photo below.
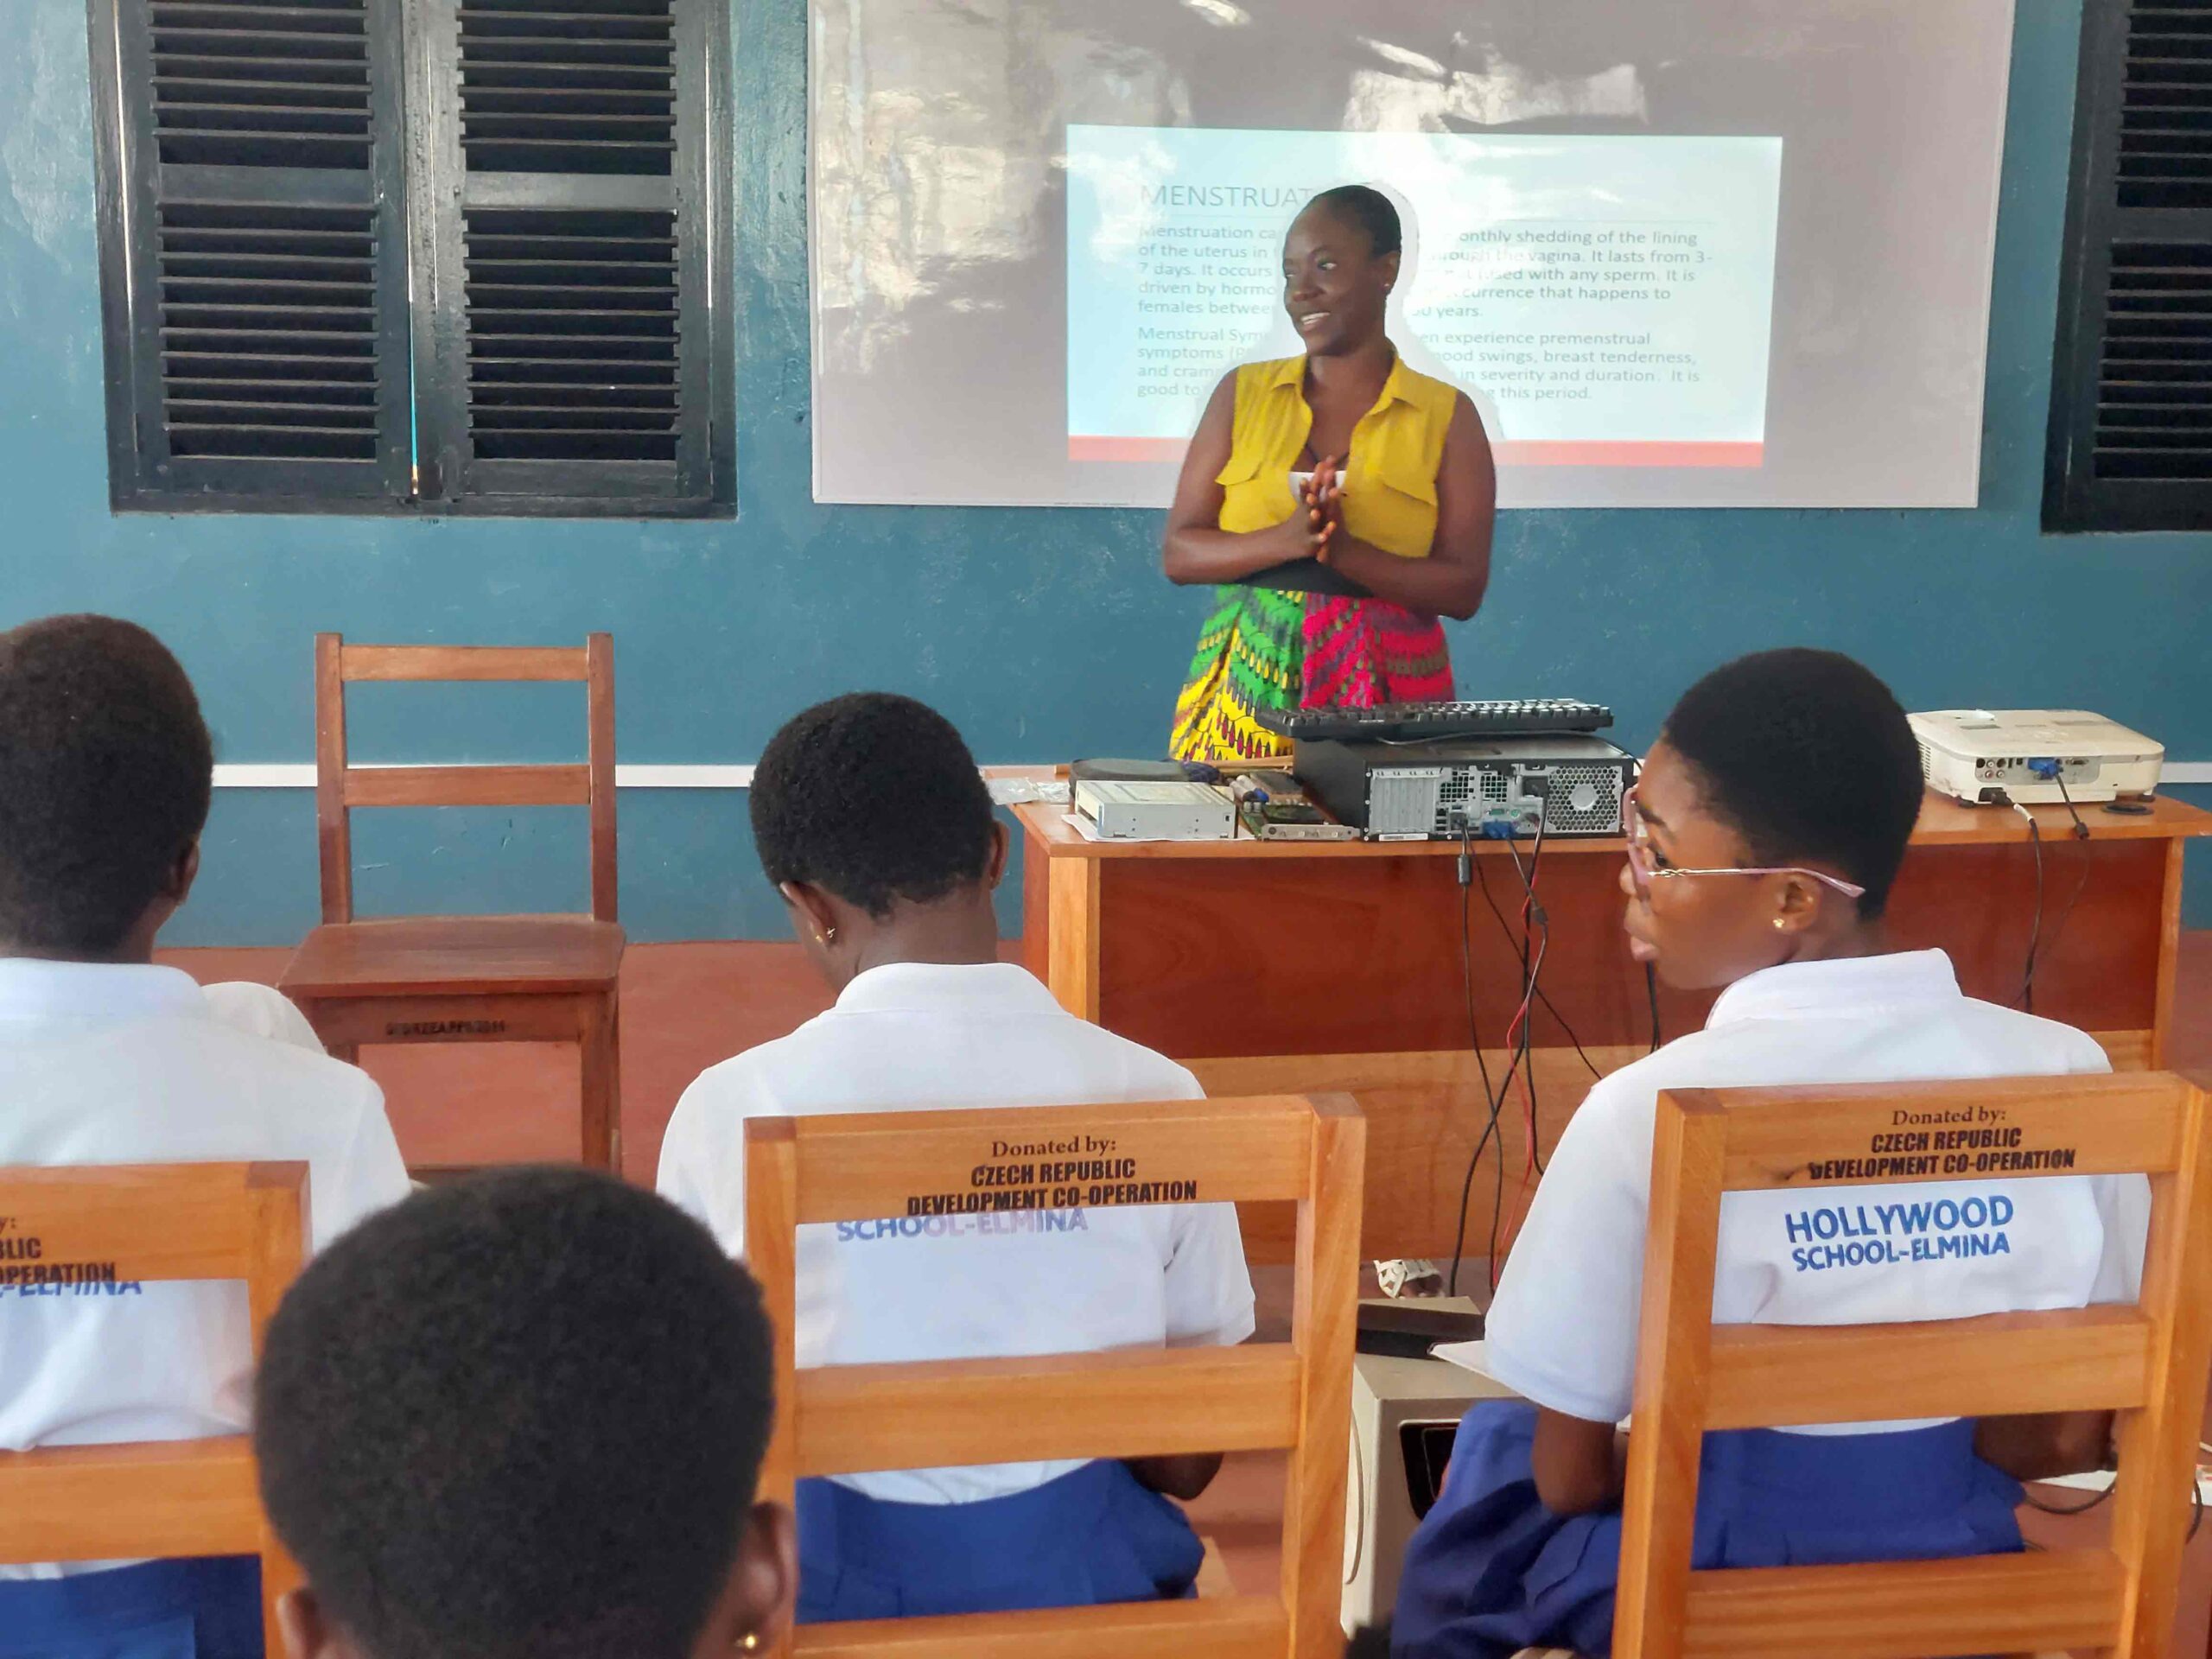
(601, 1067)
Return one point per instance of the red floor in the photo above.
(685, 1007)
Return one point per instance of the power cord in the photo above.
(1494, 1104)
(2028, 1497)
(1651, 995)
(1492, 1099)
(1534, 924)
(2025, 998)
(2195, 1503)
(1543, 997)
(1532, 915)
(2038, 947)
(2081, 830)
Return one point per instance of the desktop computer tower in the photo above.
(1404, 1413)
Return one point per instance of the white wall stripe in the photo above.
(300, 775)
(289, 774)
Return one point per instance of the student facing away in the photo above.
(871, 819)
(1770, 822)
(522, 1417)
(106, 1059)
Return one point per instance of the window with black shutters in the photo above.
(448, 256)
(2131, 418)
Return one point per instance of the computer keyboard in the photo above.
(1396, 722)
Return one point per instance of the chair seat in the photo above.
(456, 956)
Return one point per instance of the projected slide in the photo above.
(1606, 301)
(1712, 253)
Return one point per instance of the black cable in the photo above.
(1490, 1099)
(1651, 995)
(2066, 912)
(1544, 998)
(2196, 1504)
(1535, 913)
(2081, 830)
(2025, 998)
(2028, 1495)
(1519, 1057)
(1492, 1127)
(1467, 957)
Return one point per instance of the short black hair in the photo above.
(1369, 208)
(518, 1417)
(1807, 755)
(106, 766)
(874, 797)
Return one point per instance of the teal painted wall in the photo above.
(1042, 633)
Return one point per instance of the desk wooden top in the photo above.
(1943, 822)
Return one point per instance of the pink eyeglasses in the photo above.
(1643, 872)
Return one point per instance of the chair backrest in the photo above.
(2147, 1360)
(339, 787)
(150, 1222)
(847, 1419)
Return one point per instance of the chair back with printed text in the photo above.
(1294, 1396)
(145, 1223)
(2147, 1360)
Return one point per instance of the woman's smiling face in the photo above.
(1335, 289)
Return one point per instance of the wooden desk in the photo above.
(1281, 967)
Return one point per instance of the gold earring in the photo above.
(1780, 921)
(749, 1641)
(830, 937)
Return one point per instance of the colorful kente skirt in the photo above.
(1265, 650)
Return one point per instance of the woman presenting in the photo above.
(1343, 500)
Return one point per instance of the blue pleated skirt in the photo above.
(1490, 1570)
(1095, 1535)
(203, 1609)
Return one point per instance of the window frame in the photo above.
(426, 165)
(2075, 501)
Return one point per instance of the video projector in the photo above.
(2036, 756)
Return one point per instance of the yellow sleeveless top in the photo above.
(1390, 483)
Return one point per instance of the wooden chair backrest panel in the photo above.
(1231, 1627)
(2149, 1362)
(153, 1223)
(843, 1419)
(341, 786)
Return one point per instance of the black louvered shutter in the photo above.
(567, 357)
(2131, 425)
(263, 308)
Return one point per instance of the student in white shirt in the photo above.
(871, 819)
(106, 767)
(1767, 826)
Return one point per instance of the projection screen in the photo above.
(1713, 253)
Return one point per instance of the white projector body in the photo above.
(2034, 755)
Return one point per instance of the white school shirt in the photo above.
(917, 1037)
(1562, 1329)
(104, 1064)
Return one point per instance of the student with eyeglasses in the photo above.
(1768, 822)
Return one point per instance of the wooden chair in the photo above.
(443, 979)
(2148, 1361)
(842, 1420)
(155, 1499)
